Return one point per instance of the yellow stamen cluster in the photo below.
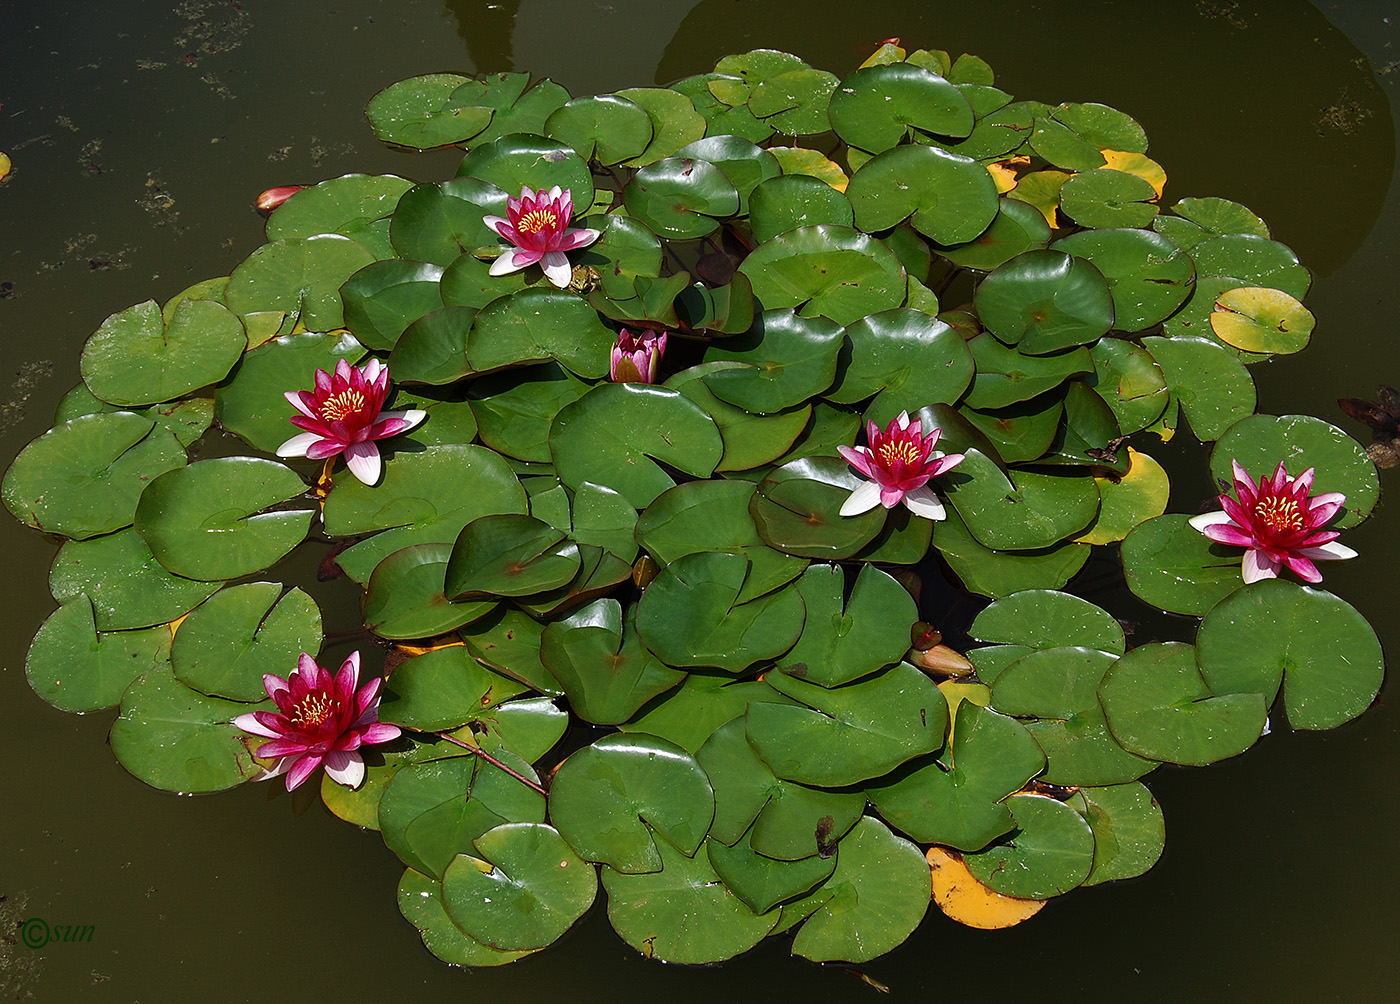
(313, 709)
(536, 220)
(894, 451)
(1279, 514)
(339, 406)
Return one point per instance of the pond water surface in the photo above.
(140, 133)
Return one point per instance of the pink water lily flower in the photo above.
(635, 358)
(900, 463)
(320, 721)
(341, 415)
(538, 226)
(1279, 521)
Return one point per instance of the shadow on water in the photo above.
(1278, 881)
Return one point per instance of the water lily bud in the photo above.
(274, 197)
(635, 359)
(942, 660)
(923, 636)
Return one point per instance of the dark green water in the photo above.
(140, 132)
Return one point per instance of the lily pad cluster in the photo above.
(667, 562)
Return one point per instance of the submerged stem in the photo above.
(492, 760)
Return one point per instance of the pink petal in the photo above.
(890, 496)
(863, 499)
(923, 502)
(363, 461)
(323, 448)
(380, 732)
(1327, 552)
(578, 238)
(856, 457)
(249, 723)
(556, 268)
(1302, 567)
(1258, 565)
(303, 768)
(345, 768)
(1228, 533)
(298, 445)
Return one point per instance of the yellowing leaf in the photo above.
(1139, 164)
(1137, 496)
(1003, 172)
(1259, 319)
(795, 160)
(955, 693)
(962, 898)
(890, 52)
(1042, 190)
(5, 166)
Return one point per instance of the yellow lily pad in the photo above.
(1136, 497)
(795, 160)
(1139, 164)
(1260, 319)
(962, 898)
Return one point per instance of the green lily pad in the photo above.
(431, 812)
(703, 516)
(1000, 573)
(1103, 198)
(1319, 647)
(604, 127)
(615, 433)
(851, 733)
(907, 358)
(604, 669)
(705, 700)
(1050, 852)
(875, 107)
(957, 800)
(299, 275)
(438, 223)
(1056, 690)
(1036, 510)
(231, 640)
(1261, 442)
(406, 596)
(826, 270)
(1129, 832)
(508, 641)
(1159, 706)
(515, 408)
(785, 203)
(420, 902)
(527, 888)
(722, 119)
(521, 160)
(682, 912)
(384, 298)
(251, 402)
(763, 882)
(1255, 260)
(186, 419)
(1017, 228)
(794, 102)
(1103, 126)
(1214, 388)
(787, 359)
(844, 640)
(357, 206)
(1024, 431)
(1130, 383)
(75, 668)
(1045, 301)
(509, 554)
(681, 197)
(873, 901)
(947, 197)
(750, 440)
(212, 520)
(1148, 276)
(781, 820)
(177, 739)
(535, 325)
(1044, 618)
(690, 615)
(1172, 565)
(411, 113)
(128, 587)
(443, 689)
(135, 358)
(423, 498)
(83, 477)
(1005, 376)
(609, 798)
(796, 509)
(674, 122)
